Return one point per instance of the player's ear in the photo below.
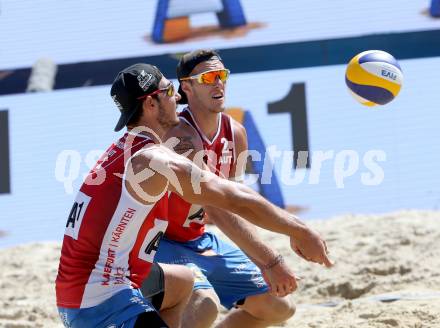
(185, 85)
(149, 102)
(148, 105)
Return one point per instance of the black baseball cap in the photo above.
(131, 83)
(188, 62)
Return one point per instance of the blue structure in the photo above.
(232, 15)
(159, 20)
(271, 191)
(435, 8)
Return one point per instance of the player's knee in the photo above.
(272, 309)
(179, 282)
(185, 282)
(207, 303)
(285, 309)
(279, 309)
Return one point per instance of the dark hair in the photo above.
(188, 62)
(192, 59)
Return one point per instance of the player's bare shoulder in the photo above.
(240, 139)
(240, 135)
(184, 140)
(237, 127)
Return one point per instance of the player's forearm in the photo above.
(243, 234)
(238, 199)
(257, 210)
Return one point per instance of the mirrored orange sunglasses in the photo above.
(209, 77)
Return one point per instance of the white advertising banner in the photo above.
(362, 160)
(75, 31)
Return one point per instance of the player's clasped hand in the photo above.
(280, 279)
(310, 246)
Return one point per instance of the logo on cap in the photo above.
(145, 80)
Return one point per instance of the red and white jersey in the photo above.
(110, 238)
(186, 220)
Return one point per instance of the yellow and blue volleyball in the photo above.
(374, 77)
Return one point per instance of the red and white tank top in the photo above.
(185, 219)
(110, 238)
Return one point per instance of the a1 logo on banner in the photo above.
(172, 17)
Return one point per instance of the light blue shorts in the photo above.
(231, 273)
(121, 310)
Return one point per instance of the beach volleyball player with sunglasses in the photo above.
(254, 291)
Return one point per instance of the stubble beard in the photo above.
(165, 121)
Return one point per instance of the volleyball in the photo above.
(374, 77)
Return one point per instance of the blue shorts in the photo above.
(231, 273)
(122, 309)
